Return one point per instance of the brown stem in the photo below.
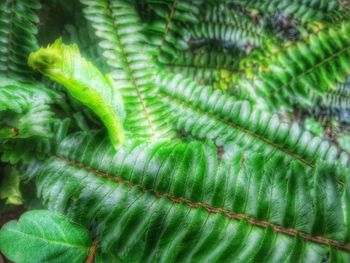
(92, 253)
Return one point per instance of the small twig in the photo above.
(91, 257)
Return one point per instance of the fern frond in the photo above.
(221, 24)
(201, 175)
(81, 117)
(118, 26)
(304, 71)
(166, 32)
(339, 98)
(84, 82)
(335, 105)
(33, 148)
(81, 33)
(18, 29)
(204, 66)
(176, 203)
(211, 114)
(25, 110)
(304, 10)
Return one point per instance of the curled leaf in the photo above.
(64, 64)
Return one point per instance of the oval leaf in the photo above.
(44, 236)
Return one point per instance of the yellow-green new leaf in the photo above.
(9, 187)
(64, 64)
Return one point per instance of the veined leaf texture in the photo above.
(175, 131)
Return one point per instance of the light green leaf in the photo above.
(64, 64)
(9, 187)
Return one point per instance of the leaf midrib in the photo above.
(168, 23)
(244, 130)
(193, 65)
(234, 26)
(131, 75)
(50, 240)
(10, 37)
(312, 68)
(210, 209)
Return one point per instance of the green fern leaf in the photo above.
(304, 71)
(33, 148)
(118, 26)
(334, 105)
(257, 187)
(339, 98)
(18, 29)
(166, 33)
(305, 10)
(211, 114)
(204, 65)
(221, 24)
(177, 203)
(25, 110)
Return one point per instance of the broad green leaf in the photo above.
(64, 64)
(43, 236)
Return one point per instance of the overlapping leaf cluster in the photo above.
(182, 147)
